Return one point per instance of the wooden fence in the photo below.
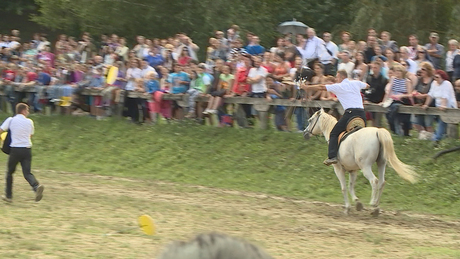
(262, 106)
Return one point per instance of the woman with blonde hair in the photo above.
(420, 93)
(398, 92)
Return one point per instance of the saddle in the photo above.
(354, 124)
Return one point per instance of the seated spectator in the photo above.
(97, 82)
(319, 78)
(326, 95)
(281, 67)
(442, 92)
(346, 64)
(215, 98)
(399, 92)
(201, 82)
(420, 93)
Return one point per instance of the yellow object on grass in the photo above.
(147, 225)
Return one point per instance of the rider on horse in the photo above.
(348, 93)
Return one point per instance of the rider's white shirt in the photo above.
(349, 93)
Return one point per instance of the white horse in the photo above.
(361, 150)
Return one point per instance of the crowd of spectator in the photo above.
(234, 65)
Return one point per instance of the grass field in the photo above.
(115, 170)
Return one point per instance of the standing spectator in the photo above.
(360, 70)
(312, 47)
(46, 57)
(145, 67)
(412, 66)
(280, 46)
(346, 37)
(256, 78)
(376, 91)
(86, 48)
(370, 52)
(329, 57)
(184, 58)
(21, 129)
(422, 56)
(122, 50)
(189, 46)
(154, 58)
(132, 75)
(346, 63)
(413, 46)
(254, 47)
(387, 43)
(442, 92)
(450, 55)
(435, 50)
(141, 48)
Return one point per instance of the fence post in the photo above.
(452, 130)
(262, 110)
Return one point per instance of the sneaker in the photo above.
(9, 200)
(212, 111)
(39, 193)
(206, 111)
(330, 161)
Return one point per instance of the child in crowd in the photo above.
(97, 82)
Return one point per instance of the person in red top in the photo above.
(184, 58)
(241, 87)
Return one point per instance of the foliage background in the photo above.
(199, 18)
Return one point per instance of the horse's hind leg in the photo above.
(381, 164)
(340, 172)
(351, 189)
(367, 172)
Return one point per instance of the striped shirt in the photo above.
(399, 86)
(21, 128)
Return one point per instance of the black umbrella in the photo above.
(293, 27)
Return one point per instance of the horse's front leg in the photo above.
(340, 172)
(351, 189)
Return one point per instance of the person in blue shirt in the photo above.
(179, 80)
(254, 48)
(154, 58)
(151, 85)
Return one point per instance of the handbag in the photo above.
(6, 148)
(6, 143)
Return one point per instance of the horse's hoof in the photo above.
(359, 206)
(375, 212)
(346, 211)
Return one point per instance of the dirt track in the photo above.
(78, 209)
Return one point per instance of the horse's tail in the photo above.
(404, 171)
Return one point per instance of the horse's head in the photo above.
(313, 127)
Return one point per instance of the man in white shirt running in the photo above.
(21, 129)
(349, 94)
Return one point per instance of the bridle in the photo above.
(314, 125)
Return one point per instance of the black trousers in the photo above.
(24, 156)
(340, 127)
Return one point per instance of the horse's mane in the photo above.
(327, 122)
